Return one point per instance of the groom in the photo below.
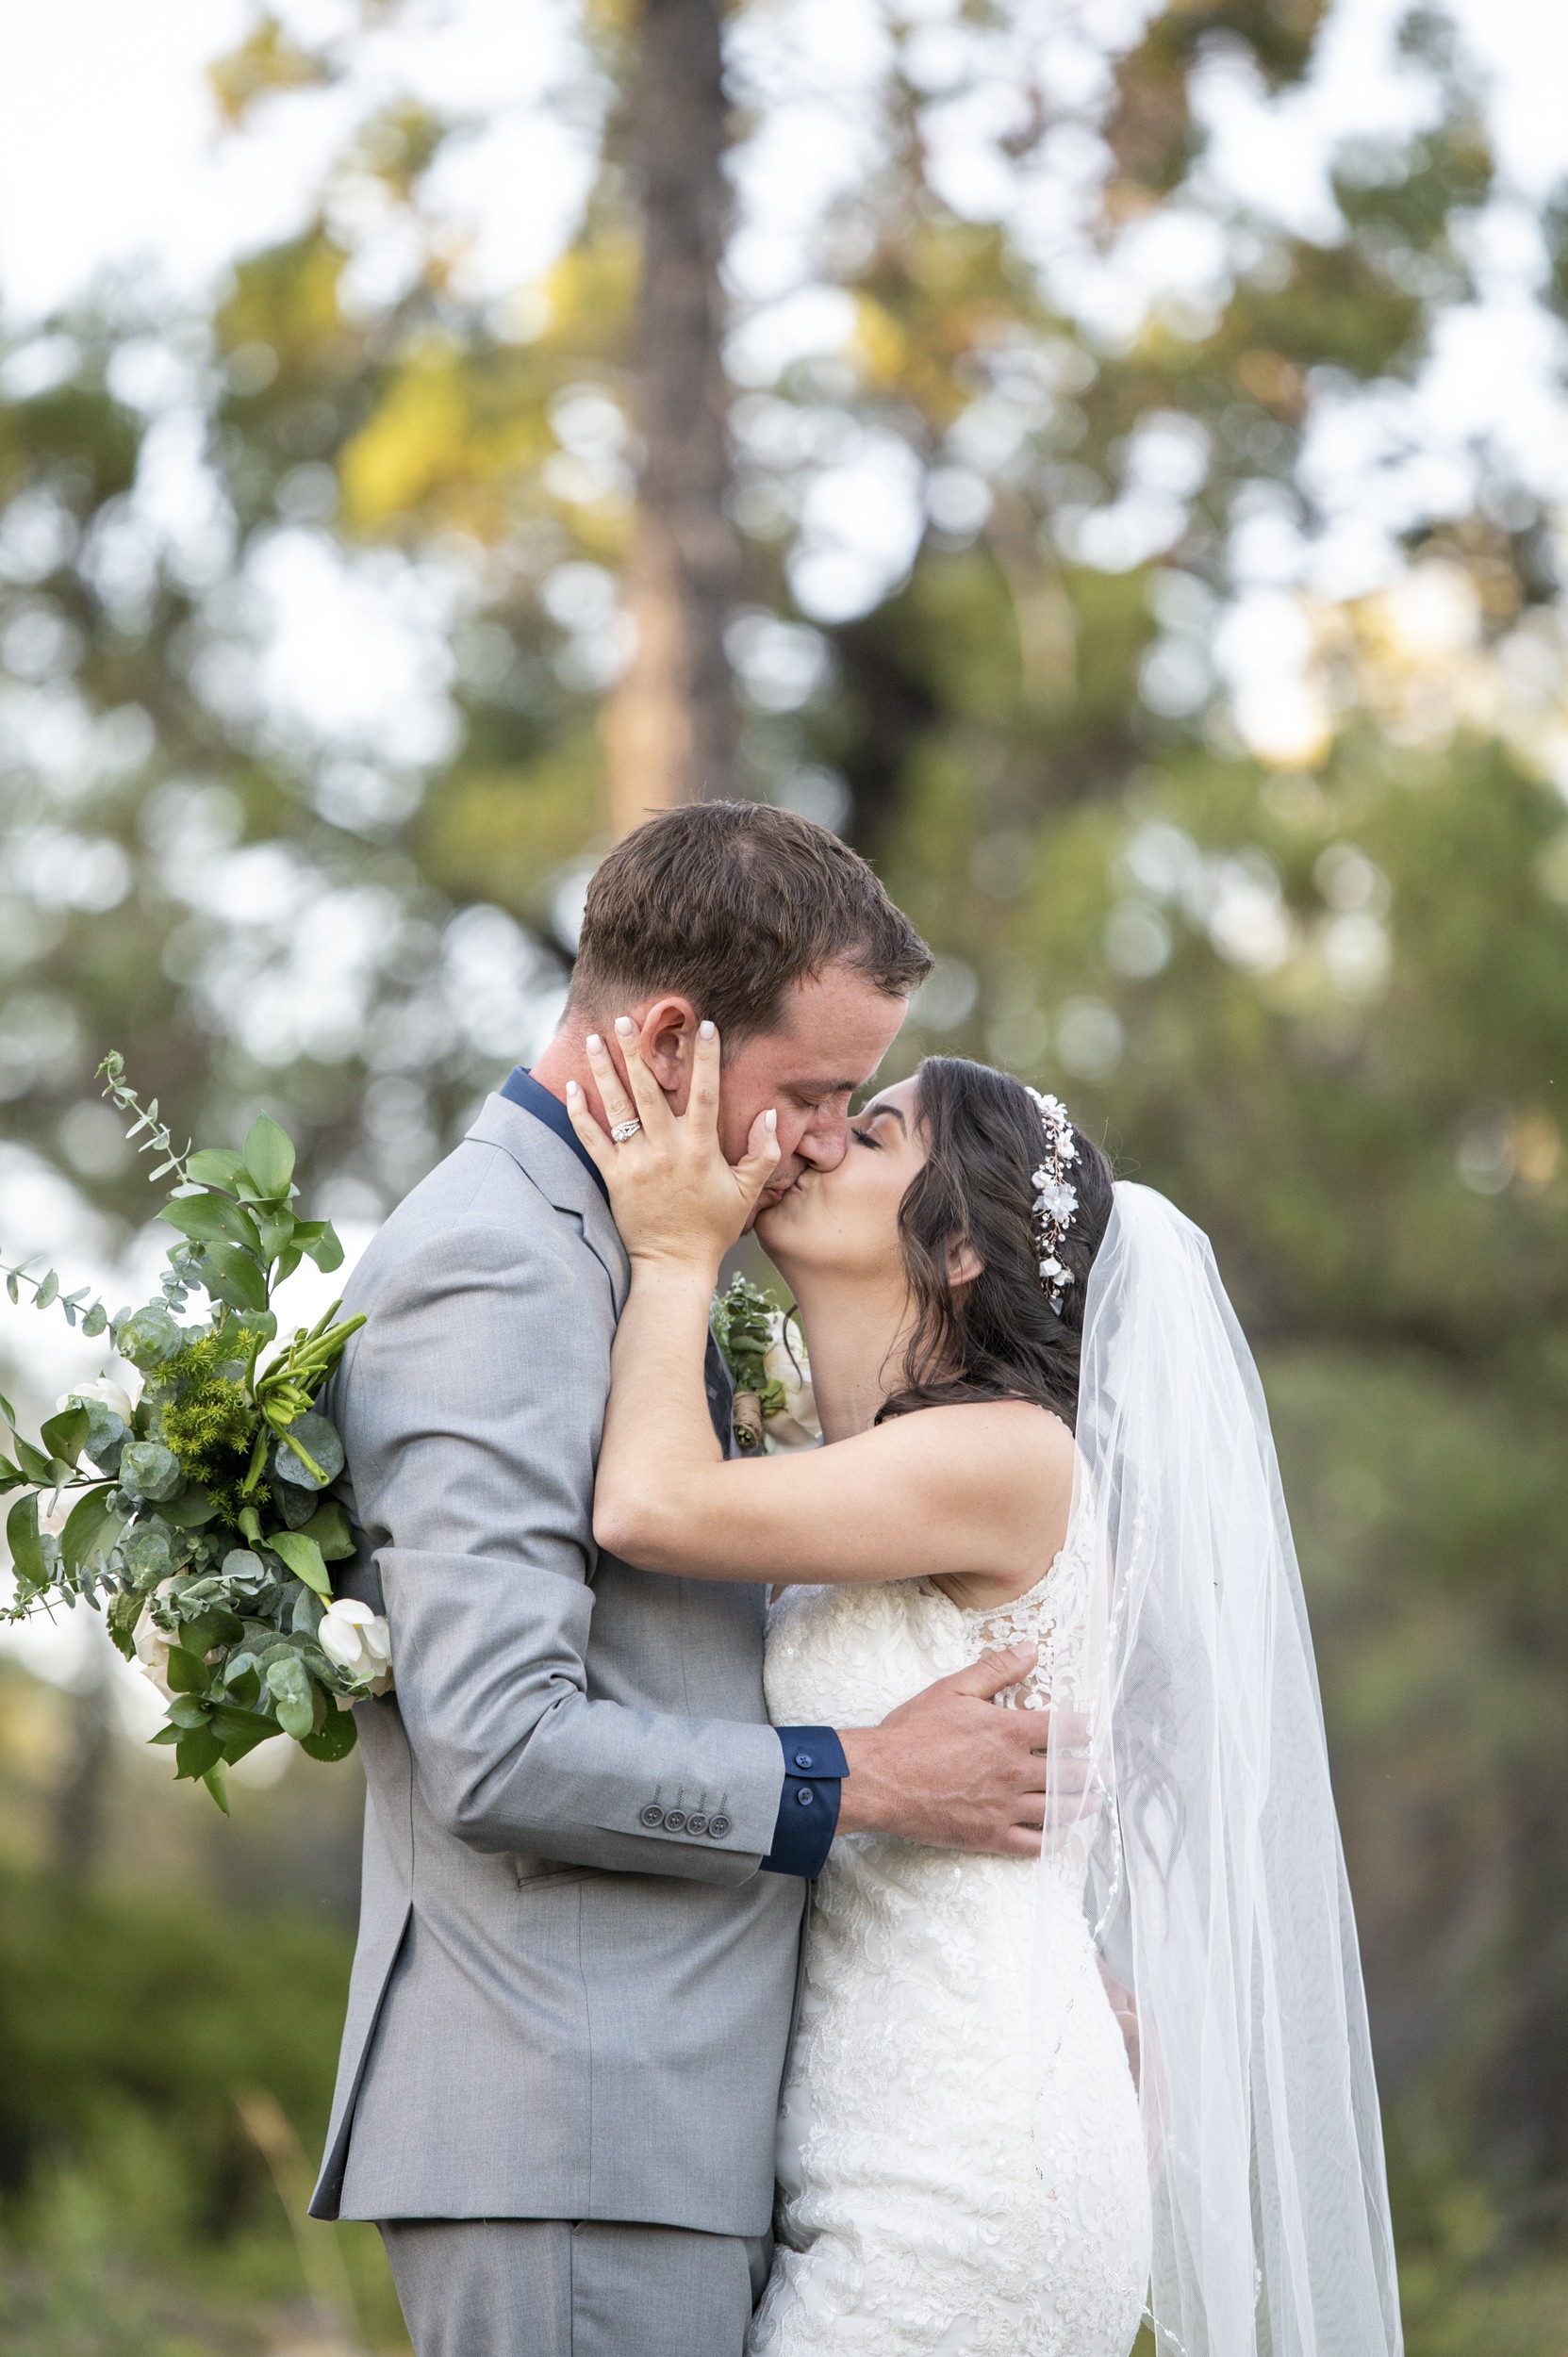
(586, 1851)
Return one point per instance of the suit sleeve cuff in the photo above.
(814, 1767)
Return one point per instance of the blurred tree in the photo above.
(670, 722)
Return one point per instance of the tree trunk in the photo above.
(670, 726)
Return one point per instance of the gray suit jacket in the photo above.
(560, 2007)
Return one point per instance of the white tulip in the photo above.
(108, 1395)
(359, 1641)
(795, 1425)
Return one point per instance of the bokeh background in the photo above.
(1110, 461)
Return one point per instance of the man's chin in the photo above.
(771, 1199)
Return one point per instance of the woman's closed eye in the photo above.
(863, 1137)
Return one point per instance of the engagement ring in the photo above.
(624, 1130)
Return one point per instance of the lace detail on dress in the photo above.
(961, 2166)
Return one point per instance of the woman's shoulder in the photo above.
(986, 1437)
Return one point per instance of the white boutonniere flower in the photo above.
(359, 1643)
(795, 1424)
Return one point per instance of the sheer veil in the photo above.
(1213, 1875)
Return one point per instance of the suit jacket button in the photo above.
(718, 1827)
(675, 1821)
(697, 1824)
(652, 1814)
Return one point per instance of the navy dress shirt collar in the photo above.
(520, 1088)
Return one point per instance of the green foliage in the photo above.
(744, 1324)
(154, 1521)
(140, 2219)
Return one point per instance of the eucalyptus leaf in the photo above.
(147, 1552)
(48, 1291)
(150, 1470)
(192, 1510)
(107, 1435)
(306, 1619)
(95, 1319)
(318, 1439)
(292, 1692)
(296, 1508)
(149, 1337)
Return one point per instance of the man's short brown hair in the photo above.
(730, 903)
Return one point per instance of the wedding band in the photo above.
(624, 1130)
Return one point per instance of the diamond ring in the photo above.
(624, 1130)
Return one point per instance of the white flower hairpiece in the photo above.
(1055, 1202)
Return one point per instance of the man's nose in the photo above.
(825, 1142)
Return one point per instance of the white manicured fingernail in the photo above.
(770, 1119)
(596, 1046)
(572, 1089)
(705, 1031)
(626, 1026)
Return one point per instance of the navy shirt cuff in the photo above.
(814, 1767)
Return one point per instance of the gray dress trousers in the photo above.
(525, 2287)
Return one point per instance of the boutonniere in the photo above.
(762, 1348)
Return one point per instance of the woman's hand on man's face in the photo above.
(674, 1196)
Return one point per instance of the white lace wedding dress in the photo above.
(947, 2187)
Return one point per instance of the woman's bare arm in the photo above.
(981, 1489)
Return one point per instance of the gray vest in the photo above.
(572, 1990)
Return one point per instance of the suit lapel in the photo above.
(561, 1178)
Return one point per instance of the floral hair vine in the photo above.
(1055, 1202)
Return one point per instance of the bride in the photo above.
(1028, 2095)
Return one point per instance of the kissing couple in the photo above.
(879, 1901)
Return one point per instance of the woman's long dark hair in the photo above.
(995, 1337)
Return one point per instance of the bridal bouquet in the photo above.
(774, 1409)
(190, 1508)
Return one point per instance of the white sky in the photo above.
(109, 153)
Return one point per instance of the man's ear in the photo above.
(963, 1262)
(667, 1035)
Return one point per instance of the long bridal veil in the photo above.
(1207, 1837)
